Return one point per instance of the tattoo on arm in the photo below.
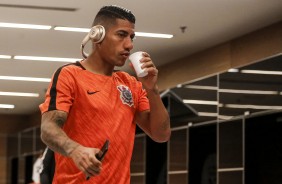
(53, 135)
(59, 121)
(166, 124)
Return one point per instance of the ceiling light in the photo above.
(25, 26)
(154, 35)
(232, 90)
(233, 70)
(5, 57)
(25, 78)
(7, 106)
(210, 114)
(248, 91)
(36, 58)
(247, 113)
(201, 87)
(241, 106)
(73, 29)
(86, 30)
(224, 117)
(265, 72)
(201, 102)
(2, 93)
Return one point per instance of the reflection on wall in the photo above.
(249, 89)
(253, 88)
(202, 97)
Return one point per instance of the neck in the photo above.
(94, 63)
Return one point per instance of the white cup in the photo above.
(135, 60)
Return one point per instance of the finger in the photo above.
(152, 71)
(93, 157)
(95, 162)
(90, 168)
(146, 54)
(95, 165)
(93, 170)
(148, 65)
(83, 167)
(145, 60)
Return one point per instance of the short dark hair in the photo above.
(109, 14)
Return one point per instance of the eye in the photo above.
(132, 37)
(122, 34)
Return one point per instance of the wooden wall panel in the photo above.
(195, 66)
(11, 123)
(257, 45)
(235, 53)
(3, 158)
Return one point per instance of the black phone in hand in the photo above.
(101, 153)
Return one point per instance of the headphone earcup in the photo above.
(97, 33)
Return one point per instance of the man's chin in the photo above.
(120, 64)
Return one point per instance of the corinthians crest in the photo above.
(125, 95)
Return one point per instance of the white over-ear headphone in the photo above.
(96, 34)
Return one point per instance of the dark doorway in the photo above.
(14, 170)
(28, 168)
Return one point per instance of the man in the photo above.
(48, 167)
(37, 165)
(88, 103)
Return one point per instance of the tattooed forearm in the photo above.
(166, 124)
(53, 135)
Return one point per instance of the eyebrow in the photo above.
(127, 33)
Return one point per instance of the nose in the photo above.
(128, 43)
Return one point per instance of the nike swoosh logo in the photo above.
(91, 92)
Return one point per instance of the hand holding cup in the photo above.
(135, 60)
